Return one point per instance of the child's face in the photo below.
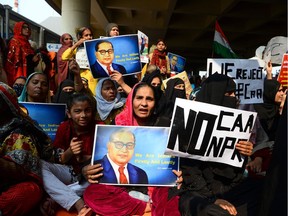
(161, 46)
(81, 113)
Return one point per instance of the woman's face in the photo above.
(87, 34)
(37, 88)
(279, 95)
(25, 30)
(156, 82)
(143, 102)
(108, 90)
(180, 86)
(68, 40)
(114, 32)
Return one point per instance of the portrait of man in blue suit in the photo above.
(116, 166)
(173, 64)
(103, 65)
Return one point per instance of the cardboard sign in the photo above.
(81, 58)
(208, 132)
(184, 77)
(148, 155)
(247, 73)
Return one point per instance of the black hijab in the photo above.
(214, 88)
(221, 177)
(268, 111)
(62, 96)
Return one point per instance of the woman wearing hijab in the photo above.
(115, 200)
(211, 188)
(63, 70)
(269, 115)
(112, 30)
(153, 78)
(22, 144)
(268, 111)
(109, 101)
(36, 89)
(175, 89)
(21, 58)
(64, 91)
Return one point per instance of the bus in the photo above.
(39, 34)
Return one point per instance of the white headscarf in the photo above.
(104, 107)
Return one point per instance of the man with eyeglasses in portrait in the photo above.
(103, 66)
(116, 166)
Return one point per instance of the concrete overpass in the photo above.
(186, 25)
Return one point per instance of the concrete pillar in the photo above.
(75, 14)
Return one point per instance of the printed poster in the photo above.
(47, 115)
(109, 54)
(143, 47)
(148, 165)
(177, 62)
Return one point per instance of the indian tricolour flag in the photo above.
(221, 45)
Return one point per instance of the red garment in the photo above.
(20, 198)
(115, 200)
(159, 59)
(161, 206)
(52, 71)
(18, 50)
(62, 65)
(126, 117)
(112, 200)
(65, 133)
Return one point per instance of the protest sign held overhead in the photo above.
(109, 54)
(275, 49)
(177, 62)
(143, 46)
(247, 73)
(208, 132)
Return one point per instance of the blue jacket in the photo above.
(136, 174)
(98, 71)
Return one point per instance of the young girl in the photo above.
(74, 144)
(160, 59)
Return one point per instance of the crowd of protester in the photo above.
(38, 175)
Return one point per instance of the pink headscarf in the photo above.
(126, 117)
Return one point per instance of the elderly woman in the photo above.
(22, 144)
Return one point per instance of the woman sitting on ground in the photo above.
(22, 144)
